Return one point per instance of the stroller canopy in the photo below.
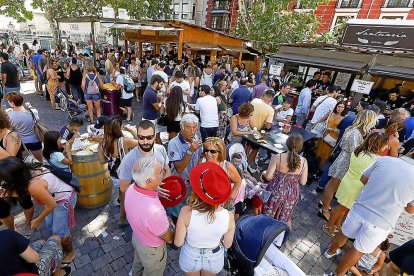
(253, 236)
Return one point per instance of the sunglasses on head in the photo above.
(148, 137)
(211, 151)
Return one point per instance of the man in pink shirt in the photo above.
(148, 219)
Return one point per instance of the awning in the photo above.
(392, 71)
(237, 49)
(332, 63)
(203, 46)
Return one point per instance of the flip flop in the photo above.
(68, 270)
(65, 264)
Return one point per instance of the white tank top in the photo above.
(202, 234)
(55, 186)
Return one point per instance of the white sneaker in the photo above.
(328, 256)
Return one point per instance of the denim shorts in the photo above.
(58, 220)
(91, 97)
(195, 259)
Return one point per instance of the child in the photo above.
(52, 151)
(71, 130)
(370, 264)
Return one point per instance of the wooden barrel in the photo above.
(96, 183)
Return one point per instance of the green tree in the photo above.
(15, 9)
(269, 23)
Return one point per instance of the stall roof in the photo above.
(202, 46)
(392, 71)
(234, 49)
(323, 62)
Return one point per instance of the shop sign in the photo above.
(361, 86)
(404, 229)
(385, 37)
(275, 69)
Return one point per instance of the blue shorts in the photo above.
(92, 97)
(58, 220)
(195, 259)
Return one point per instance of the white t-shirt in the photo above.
(281, 115)
(184, 86)
(235, 85)
(164, 76)
(207, 106)
(324, 105)
(120, 81)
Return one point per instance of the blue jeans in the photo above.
(8, 90)
(324, 177)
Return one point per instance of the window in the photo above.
(194, 12)
(392, 17)
(353, 4)
(399, 4)
(221, 5)
(220, 22)
(176, 15)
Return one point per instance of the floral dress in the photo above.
(351, 139)
(285, 194)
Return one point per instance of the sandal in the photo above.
(66, 264)
(320, 205)
(321, 214)
(68, 270)
(328, 229)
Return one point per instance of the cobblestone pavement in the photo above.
(105, 249)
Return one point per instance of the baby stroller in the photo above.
(238, 148)
(255, 248)
(67, 104)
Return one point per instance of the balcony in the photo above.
(398, 4)
(349, 4)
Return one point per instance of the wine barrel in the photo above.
(96, 183)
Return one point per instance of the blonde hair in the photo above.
(196, 203)
(365, 121)
(218, 143)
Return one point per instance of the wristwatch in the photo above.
(189, 152)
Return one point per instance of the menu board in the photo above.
(404, 229)
(362, 86)
(276, 69)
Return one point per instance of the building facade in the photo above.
(337, 11)
(222, 14)
(190, 11)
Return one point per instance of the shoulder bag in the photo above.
(39, 128)
(29, 159)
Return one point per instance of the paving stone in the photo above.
(128, 247)
(101, 261)
(303, 247)
(316, 271)
(94, 254)
(129, 257)
(82, 261)
(118, 264)
(311, 259)
(297, 254)
(118, 243)
(84, 249)
(83, 271)
(121, 272)
(116, 253)
(106, 270)
(305, 266)
(107, 247)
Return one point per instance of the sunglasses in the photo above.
(211, 151)
(148, 137)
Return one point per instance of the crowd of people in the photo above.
(191, 191)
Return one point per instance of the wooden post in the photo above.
(126, 45)
(180, 45)
(140, 50)
(213, 56)
(240, 58)
(93, 41)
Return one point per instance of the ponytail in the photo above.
(293, 161)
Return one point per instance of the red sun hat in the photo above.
(211, 183)
(177, 190)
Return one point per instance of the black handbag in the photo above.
(162, 120)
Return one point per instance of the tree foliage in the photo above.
(15, 9)
(268, 23)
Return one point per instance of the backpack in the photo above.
(92, 87)
(129, 84)
(67, 177)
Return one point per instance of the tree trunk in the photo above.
(53, 27)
